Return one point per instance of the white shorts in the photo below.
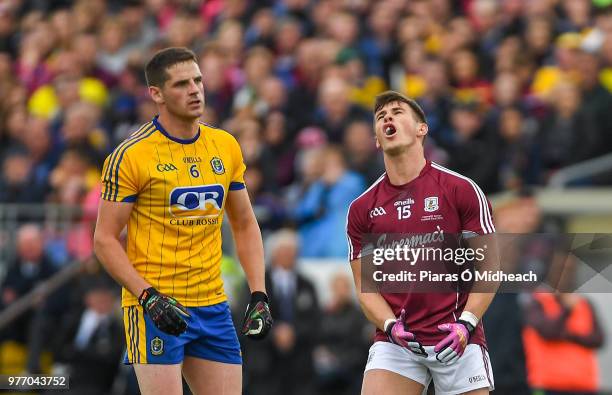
(471, 371)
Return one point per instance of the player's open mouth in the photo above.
(389, 129)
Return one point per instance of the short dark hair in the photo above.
(156, 68)
(391, 96)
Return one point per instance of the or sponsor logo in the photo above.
(161, 167)
(192, 159)
(412, 241)
(431, 204)
(378, 211)
(477, 379)
(432, 217)
(157, 346)
(203, 201)
(405, 202)
(194, 222)
(217, 165)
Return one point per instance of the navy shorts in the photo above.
(210, 335)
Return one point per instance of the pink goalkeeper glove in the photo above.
(452, 346)
(398, 333)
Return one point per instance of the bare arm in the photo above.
(483, 292)
(247, 237)
(112, 218)
(374, 306)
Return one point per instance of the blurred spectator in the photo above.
(436, 102)
(548, 76)
(305, 78)
(217, 85)
(466, 78)
(339, 356)
(53, 99)
(507, 90)
(37, 140)
(257, 66)
(577, 15)
(79, 130)
(268, 209)
(17, 181)
(558, 144)
(14, 124)
(248, 131)
(538, 37)
(343, 27)
(596, 100)
(335, 110)
(8, 24)
(85, 47)
(113, 54)
(562, 327)
(377, 46)
(310, 144)
(473, 151)
(29, 269)
(279, 151)
(360, 150)
(89, 340)
(272, 96)
(72, 177)
(364, 88)
(282, 363)
(407, 76)
(321, 212)
(261, 29)
(517, 133)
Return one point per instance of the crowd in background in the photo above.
(513, 91)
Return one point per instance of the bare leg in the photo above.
(212, 378)
(159, 379)
(380, 381)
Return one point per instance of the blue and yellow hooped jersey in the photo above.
(179, 189)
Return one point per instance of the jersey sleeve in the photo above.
(474, 209)
(356, 228)
(119, 177)
(238, 168)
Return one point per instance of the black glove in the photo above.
(257, 318)
(165, 312)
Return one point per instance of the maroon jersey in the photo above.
(438, 200)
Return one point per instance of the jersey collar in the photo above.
(175, 139)
(424, 170)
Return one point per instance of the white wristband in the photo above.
(469, 317)
(389, 321)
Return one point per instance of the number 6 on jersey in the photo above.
(193, 170)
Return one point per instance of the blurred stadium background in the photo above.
(517, 94)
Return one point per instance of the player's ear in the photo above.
(156, 95)
(423, 129)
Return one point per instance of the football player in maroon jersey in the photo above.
(421, 336)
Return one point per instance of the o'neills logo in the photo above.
(415, 240)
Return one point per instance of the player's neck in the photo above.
(183, 129)
(403, 168)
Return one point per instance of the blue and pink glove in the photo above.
(398, 333)
(453, 345)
